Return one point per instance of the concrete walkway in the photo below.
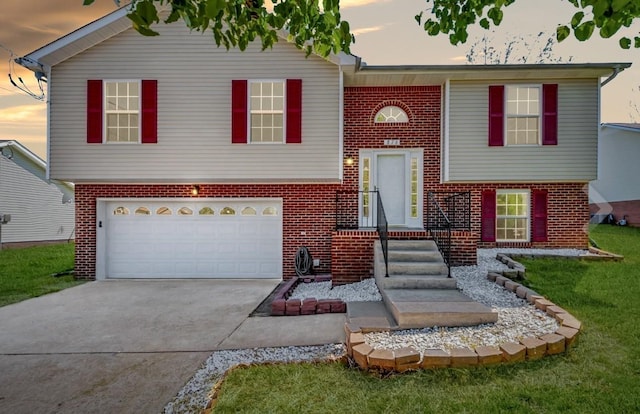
(130, 346)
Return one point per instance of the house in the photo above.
(616, 190)
(194, 161)
(40, 210)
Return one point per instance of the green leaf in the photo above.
(610, 28)
(636, 42)
(418, 18)
(431, 27)
(625, 43)
(577, 18)
(484, 23)
(618, 5)
(562, 32)
(213, 8)
(495, 14)
(87, 2)
(584, 31)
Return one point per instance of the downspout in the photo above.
(341, 125)
(48, 97)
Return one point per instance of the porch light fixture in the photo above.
(195, 189)
(348, 160)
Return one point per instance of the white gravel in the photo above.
(516, 319)
(194, 396)
(365, 291)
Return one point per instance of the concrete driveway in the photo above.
(130, 346)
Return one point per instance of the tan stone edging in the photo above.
(530, 348)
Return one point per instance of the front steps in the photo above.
(418, 293)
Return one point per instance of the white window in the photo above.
(266, 108)
(390, 114)
(512, 215)
(122, 111)
(523, 115)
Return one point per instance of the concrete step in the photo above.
(415, 256)
(416, 282)
(370, 316)
(417, 268)
(421, 308)
(422, 245)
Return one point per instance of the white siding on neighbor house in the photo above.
(194, 112)
(618, 166)
(36, 208)
(573, 159)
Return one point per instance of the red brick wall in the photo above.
(312, 202)
(619, 209)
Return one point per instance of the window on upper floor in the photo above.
(266, 108)
(266, 111)
(122, 111)
(523, 115)
(391, 114)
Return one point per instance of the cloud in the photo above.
(366, 30)
(34, 113)
(461, 58)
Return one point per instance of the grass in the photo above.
(26, 272)
(601, 374)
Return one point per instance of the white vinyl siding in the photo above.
(471, 159)
(35, 205)
(194, 112)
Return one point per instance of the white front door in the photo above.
(397, 175)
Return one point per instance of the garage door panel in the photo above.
(245, 245)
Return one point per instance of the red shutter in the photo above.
(488, 219)
(496, 115)
(149, 112)
(539, 224)
(94, 111)
(239, 111)
(294, 111)
(550, 114)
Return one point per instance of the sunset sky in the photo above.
(386, 34)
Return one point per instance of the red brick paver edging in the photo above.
(530, 348)
(284, 305)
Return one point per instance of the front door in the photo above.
(397, 175)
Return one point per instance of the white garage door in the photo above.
(216, 238)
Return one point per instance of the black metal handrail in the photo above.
(383, 233)
(363, 210)
(439, 226)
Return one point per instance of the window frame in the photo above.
(389, 120)
(528, 217)
(105, 112)
(250, 140)
(508, 115)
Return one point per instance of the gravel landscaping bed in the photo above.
(517, 319)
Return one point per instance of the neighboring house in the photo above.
(193, 161)
(41, 210)
(617, 189)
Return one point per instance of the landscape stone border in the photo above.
(528, 348)
(284, 305)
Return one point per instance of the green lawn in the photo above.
(26, 273)
(601, 374)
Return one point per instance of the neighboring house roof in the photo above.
(633, 127)
(11, 148)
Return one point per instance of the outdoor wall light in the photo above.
(195, 189)
(348, 160)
